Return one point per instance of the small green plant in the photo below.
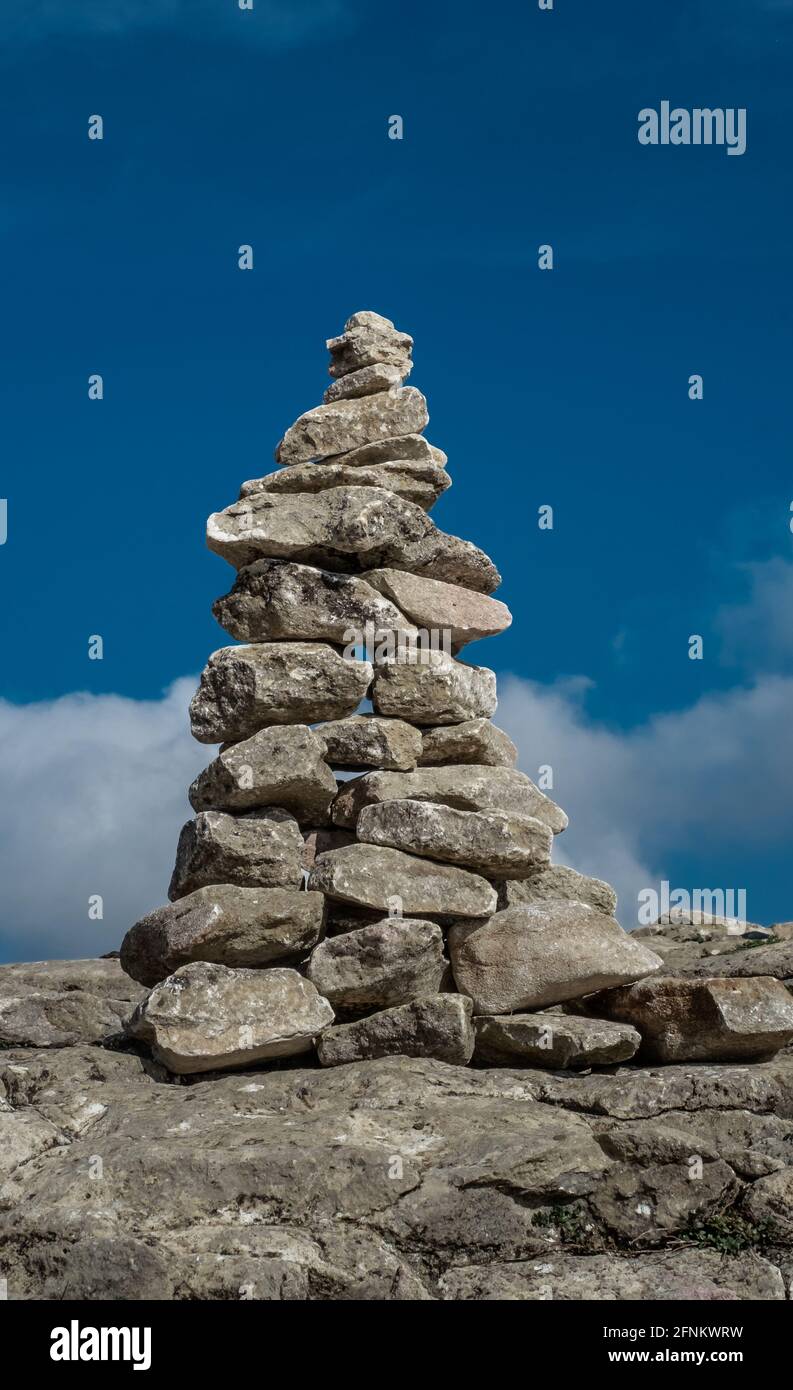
(751, 945)
(571, 1222)
(730, 1233)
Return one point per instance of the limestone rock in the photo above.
(466, 788)
(433, 689)
(365, 740)
(557, 883)
(205, 1017)
(225, 925)
(775, 960)
(333, 429)
(368, 876)
(346, 528)
(100, 976)
(263, 849)
(411, 447)
(321, 839)
(244, 688)
(527, 957)
(378, 376)
(369, 339)
(770, 1201)
(432, 604)
(438, 1027)
(416, 480)
(391, 962)
(488, 842)
(275, 600)
(702, 1020)
(552, 1041)
(283, 766)
(474, 741)
(34, 1017)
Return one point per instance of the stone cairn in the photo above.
(410, 907)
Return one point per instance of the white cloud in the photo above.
(706, 780)
(276, 23)
(760, 631)
(93, 801)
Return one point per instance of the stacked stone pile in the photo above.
(408, 906)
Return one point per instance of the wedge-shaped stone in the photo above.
(207, 1018)
(775, 960)
(391, 962)
(440, 1027)
(276, 600)
(557, 883)
(417, 481)
(244, 688)
(280, 766)
(527, 957)
(369, 876)
(378, 376)
(486, 841)
(404, 446)
(226, 925)
(263, 849)
(333, 429)
(433, 605)
(367, 339)
(474, 741)
(433, 689)
(689, 1020)
(346, 528)
(365, 740)
(552, 1041)
(466, 788)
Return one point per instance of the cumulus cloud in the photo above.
(714, 777)
(93, 800)
(276, 23)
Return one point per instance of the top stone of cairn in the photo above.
(370, 339)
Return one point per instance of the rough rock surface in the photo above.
(438, 1027)
(375, 967)
(364, 740)
(226, 925)
(528, 957)
(486, 841)
(365, 381)
(249, 1186)
(368, 876)
(775, 960)
(474, 741)
(333, 429)
(433, 689)
(207, 1018)
(369, 339)
(261, 849)
(346, 528)
(702, 1020)
(467, 788)
(432, 604)
(557, 883)
(276, 600)
(411, 447)
(281, 766)
(417, 480)
(552, 1040)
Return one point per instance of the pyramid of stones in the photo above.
(367, 872)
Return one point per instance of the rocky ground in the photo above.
(391, 1178)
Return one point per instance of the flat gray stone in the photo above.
(205, 1017)
(261, 849)
(744, 962)
(439, 1027)
(416, 480)
(468, 788)
(368, 876)
(225, 925)
(377, 376)
(276, 600)
(434, 605)
(366, 740)
(35, 1017)
(690, 1020)
(529, 957)
(333, 429)
(698, 1276)
(434, 689)
(244, 688)
(552, 1041)
(282, 766)
(376, 967)
(413, 447)
(474, 741)
(488, 842)
(369, 339)
(557, 883)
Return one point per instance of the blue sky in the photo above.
(672, 517)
